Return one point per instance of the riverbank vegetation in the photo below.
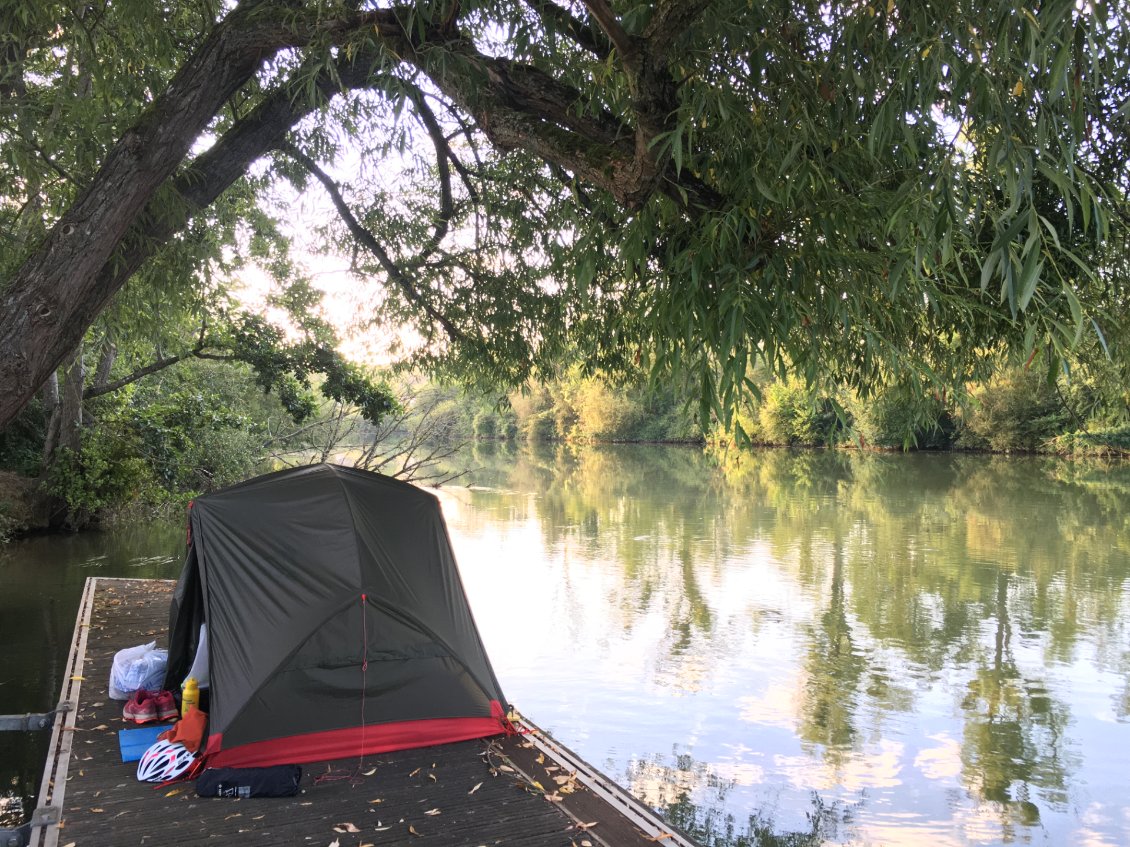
(157, 441)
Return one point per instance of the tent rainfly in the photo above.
(337, 624)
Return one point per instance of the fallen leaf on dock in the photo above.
(173, 792)
(97, 811)
(476, 788)
(346, 827)
(506, 768)
(335, 843)
(661, 836)
(412, 830)
(378, 800)
(101, 726)
(415, 772)
(584, 826)
(432, 812)
(432, 777)
(540, 759)
(369, 772)
(553, 798)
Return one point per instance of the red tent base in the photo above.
(354, 741)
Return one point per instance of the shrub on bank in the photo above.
(1018, 409)
(902, 420)
(1100, 443)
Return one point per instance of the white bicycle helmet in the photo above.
(164, 761)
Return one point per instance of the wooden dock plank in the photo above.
(478, 792)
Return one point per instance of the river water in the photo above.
(777, 648)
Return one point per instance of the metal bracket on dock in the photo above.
(18, 837)
(30, 723)
(21, 835)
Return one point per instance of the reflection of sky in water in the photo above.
(594, 633)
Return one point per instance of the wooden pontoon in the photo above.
(519, 790)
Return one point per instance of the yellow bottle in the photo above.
(189, 696)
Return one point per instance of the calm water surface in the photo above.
(785, 649)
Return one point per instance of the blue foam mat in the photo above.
(134, 742)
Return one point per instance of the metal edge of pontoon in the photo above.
(48, 815)
(654, 827)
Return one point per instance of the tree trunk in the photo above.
(106, 359)
(50, 393)
(70, 405)
(51, 300)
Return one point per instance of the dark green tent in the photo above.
(336, 621)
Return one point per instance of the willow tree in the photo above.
(863, 191)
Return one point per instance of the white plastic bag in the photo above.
(199, 669)
(137, 667)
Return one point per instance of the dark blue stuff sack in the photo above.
(276, 781)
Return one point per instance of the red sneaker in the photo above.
(140, 707)
(166, 706)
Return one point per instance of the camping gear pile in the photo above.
(322, 612)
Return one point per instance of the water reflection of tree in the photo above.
(904, 558)
(692, 798)
(833, 669)
(1014, 738)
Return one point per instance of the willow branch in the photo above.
(625, 45)
(561, 20)
(444, 156)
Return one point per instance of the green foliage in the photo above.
(791, 413)
(541, 427)
(902, 420)
(859, 194)
(1019, 409)
(1098, 443)
(21, 443)
(287, 370)
(106, 472)
(486, 425)
(604, 414)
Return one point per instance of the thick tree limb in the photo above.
(561, 20)
(627, 46)
(50, 301)
(152, 368)
(669, 19)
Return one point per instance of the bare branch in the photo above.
(369, 241)
(444, 156)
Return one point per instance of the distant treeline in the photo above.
(1018, 410)
(152, 445)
